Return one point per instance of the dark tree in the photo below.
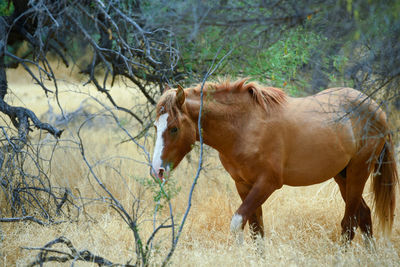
(119, 40)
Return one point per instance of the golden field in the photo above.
(302, 224)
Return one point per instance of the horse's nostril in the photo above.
(161, 172)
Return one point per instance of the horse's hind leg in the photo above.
(365, 223)
(357, 173)
(364, 213)
(256, 223)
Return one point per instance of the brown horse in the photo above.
(267, 139)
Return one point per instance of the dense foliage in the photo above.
(303, 45)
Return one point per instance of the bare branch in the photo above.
(22, 115)
(21, 219)
(74, 254)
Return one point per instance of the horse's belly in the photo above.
(296, 179)
(312, 170)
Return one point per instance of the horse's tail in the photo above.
(385, 180)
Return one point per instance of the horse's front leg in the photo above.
(255, 220)
(257, 195)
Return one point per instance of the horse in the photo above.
(267, 139)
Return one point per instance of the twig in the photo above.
(199, 168)
(21, 219)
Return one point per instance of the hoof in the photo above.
(369, 242)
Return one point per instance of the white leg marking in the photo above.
(236, 228)
(161, 125)
(236, 223)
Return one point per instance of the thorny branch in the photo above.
(26, 187)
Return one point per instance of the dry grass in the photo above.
(302, 224)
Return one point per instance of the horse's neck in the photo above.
(219, 123)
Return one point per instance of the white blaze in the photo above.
(161, 125)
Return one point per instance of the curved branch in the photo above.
(20, 116)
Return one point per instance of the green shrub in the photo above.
(6, 8)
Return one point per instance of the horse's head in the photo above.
(176, 133)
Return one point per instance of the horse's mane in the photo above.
(269, 98)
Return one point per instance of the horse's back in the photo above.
(338, 105)
(368, 119)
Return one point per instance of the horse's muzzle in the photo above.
(159, 173)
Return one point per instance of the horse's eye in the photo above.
(173, 130)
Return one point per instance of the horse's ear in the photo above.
(166, 88)
(180, 96)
